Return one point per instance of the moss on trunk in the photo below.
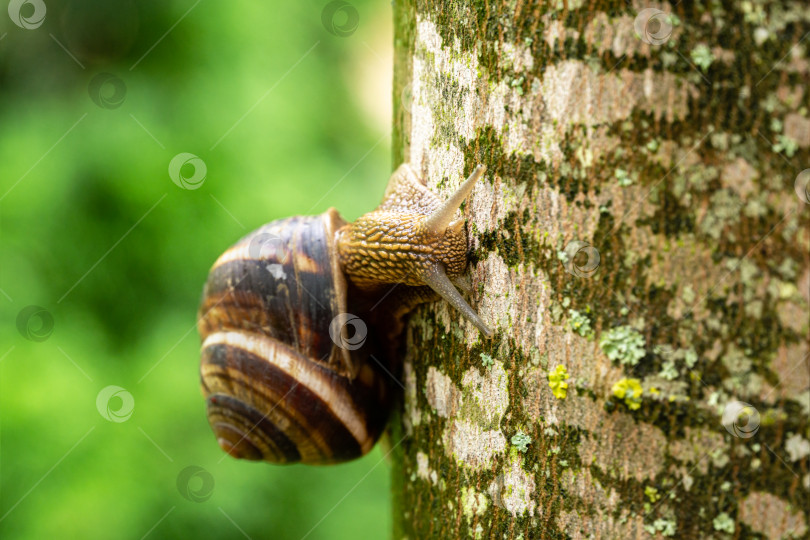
(641, 244)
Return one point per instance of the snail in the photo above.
(284, 377)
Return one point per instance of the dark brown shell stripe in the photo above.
(273, 378)
(253, 435)
(282, 297)
(297, 409)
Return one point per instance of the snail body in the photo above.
(284, 377)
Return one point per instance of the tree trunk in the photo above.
(641, 236)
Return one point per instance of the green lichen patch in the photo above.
(675, 363)
(473, 503)
(723, 522)
(666, 527)
(623, 177)
(651, 492)
(580, 323)
(521, 441)
(702, 56)
(623, 344)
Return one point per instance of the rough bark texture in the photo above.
(673, 155)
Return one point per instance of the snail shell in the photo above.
(284, 379)
(278, 387)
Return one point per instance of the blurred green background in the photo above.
(289, 110)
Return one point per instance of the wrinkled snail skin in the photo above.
(278, 386)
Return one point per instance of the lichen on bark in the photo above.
(638, 238)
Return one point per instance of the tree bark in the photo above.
(641, 236)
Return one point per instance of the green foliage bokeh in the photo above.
(93, 230)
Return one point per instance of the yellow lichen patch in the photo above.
(630, 391)
(557, 381)
(620, 446)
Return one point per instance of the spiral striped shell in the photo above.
(277, 387)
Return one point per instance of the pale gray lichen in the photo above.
(723, 523)
(702, 56)
(521, 441)
(785, 144)
(797, 447)
(624, 344)
(673, 358)
(580, 323)
(665, 526)
(623, 177)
